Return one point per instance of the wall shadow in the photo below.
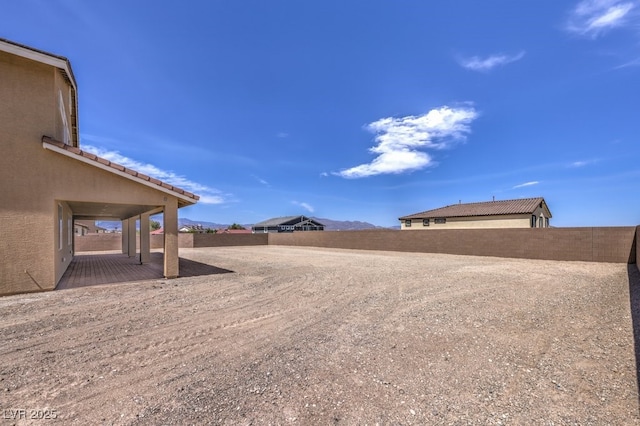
(634, 247)
(634, 301)
(191, 268)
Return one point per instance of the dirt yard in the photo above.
(317, 336)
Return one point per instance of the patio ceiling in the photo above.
(109, 211)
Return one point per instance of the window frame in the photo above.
(60, 225)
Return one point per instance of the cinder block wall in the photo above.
(97, 242)
(604, 244)
(636, 247)
(612, 244)
(225, 240)
(106, 242)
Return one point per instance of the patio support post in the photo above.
(125, 236)
(145, 238)
(132, 237)
(171, 238)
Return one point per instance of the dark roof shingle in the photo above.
(277, 221)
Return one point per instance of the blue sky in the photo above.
(359, 110)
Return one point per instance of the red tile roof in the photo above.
(488, 208)
(118, 167)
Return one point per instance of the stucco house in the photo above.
(48, 181)
(85, 227)
(288, 224)
(520, 213)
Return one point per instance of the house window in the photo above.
(60, 226)
(66, 134)
(546, 220)
(70, 231)
(425, 222)
(534, 219)
(439, 220)
(407, 223)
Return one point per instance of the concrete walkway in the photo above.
(88, 269)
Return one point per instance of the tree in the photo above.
(236, 226)
(154, 225)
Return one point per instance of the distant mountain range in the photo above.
(330, 225)
(345, 225)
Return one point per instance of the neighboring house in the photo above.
(288, 224)
(522, 213)
(80, 229)
(84, 227)
(48, 182)
(193, 229)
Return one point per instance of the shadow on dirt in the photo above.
(191, 268)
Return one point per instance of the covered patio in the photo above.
(109, 191)
(87, 269)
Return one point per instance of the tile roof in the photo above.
(488, 208)
(117, 167)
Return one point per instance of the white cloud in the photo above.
(583, 163)
(259, 179)
(522, 185)
(400, 140)
(282, 135)
(633, 63)
(305, 206)
(593, 17)
(476, 63)
(207, 195)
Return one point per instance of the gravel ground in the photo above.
(318, 336)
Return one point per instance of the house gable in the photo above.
(288, 224)
(66, 100)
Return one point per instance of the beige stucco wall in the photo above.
(481, 222)
(27, 219)
(35, 180)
